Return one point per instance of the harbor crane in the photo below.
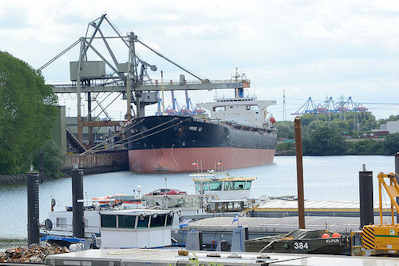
(131, 78)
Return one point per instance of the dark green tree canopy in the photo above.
(26, 113)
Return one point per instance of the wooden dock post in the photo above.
(299, 173)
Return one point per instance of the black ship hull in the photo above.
(185, 144)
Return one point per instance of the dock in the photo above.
(133, 257)
(288, 207)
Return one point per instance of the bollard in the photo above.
(238, 239)
(33, 207)
(193, 240)
(366, 198)
(77, 203)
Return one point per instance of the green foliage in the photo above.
(324, 134)
(323, 139)
(26, 114)
(286, 148)
(285, 130)
(391, 144)
(48, 160)
(365, 147)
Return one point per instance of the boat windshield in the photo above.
(227, 185)
(209, 186)
(237, 185)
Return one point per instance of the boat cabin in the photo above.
(228, 188)
(246, 111)
(139, 228)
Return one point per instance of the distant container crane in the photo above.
(330, 106)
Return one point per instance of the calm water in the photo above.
(325, 178)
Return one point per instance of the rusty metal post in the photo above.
(299, 173)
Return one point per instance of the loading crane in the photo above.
(131, 78)
(380, 239)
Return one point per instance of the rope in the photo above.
(146, 136)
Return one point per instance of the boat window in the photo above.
(158, 220)
(126, 221)
(169, 220)
(108, 221)
(228, 185)
(248, 185)
(198, 187)
(219, 108)
(239, 185)
(142, 221)
(215, 186)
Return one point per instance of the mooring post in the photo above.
(299, 172)
(32, 181)
(77, 203)
(366, 198)
(397, 179)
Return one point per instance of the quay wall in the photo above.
(97, 163)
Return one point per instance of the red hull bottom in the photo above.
(181, 159)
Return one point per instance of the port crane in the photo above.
(131, 78)
(330, 106)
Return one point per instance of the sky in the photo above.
(304, 48)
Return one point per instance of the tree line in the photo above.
(337, 134)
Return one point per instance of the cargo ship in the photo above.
(237, 133)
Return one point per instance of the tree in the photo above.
(323, 139)
(391, 144)
(285, 129)
(26, 113)
(48, 160)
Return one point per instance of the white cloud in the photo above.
(309, 48)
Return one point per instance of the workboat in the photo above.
(224, 193)
(118, 221)
(237, 133)
(215, 193)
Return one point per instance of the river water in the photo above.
(325, 178)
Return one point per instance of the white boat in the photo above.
(139, 228)
(216, 192)
(223, 193)
(118, 221)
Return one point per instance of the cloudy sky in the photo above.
(305, 48)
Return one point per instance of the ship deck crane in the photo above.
(380, 239)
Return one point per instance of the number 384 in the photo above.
(301, 245)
